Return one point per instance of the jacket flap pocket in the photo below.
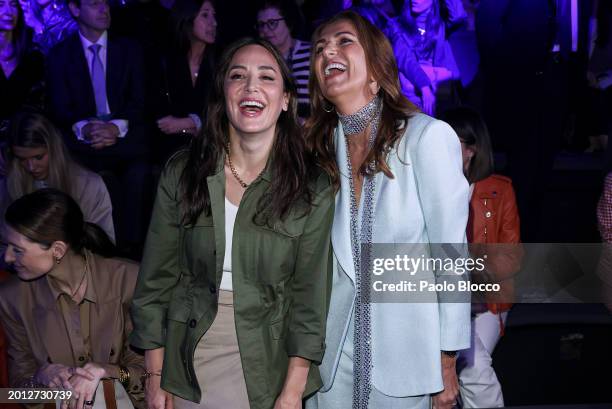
(292, 230)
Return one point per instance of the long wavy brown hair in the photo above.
(291, 164)
(381, 65)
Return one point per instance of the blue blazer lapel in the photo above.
(81, 74)
(341, 228)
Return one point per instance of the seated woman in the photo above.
(21, 67)
(187, 73)
(493, 229)
(66, 314)
(37, 158)
(230, 305)
(277, 22)
(424, 55)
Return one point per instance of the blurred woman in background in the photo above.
(418, 35)
(37, 158)
(493, 229)
(187, 75)
(21, 67)
(50, 21)
(279, 21)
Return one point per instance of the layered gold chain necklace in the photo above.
(234, 171)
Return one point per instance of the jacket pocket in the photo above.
(277, 329)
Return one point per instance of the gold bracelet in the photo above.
(124, 376)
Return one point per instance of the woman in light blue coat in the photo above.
(399, 179)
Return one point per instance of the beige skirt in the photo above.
(217, 364)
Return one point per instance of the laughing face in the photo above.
(340, 67)
(254, 91)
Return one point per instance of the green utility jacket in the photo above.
(281, 279)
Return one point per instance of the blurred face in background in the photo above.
(29, 259)
(35, 161)
(205, 24)
(94, 15)
(420, 6)
(273, 27)
(467, 152)
(9, 13)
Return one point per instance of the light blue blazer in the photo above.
(426, 202)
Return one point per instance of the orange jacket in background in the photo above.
(494, 219)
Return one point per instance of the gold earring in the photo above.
(57, 259)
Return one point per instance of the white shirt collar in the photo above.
(103, 40)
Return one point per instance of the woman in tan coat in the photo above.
(66, 313)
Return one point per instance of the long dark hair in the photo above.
(182, 16)
(291, 165)
(473, 132)
(21, 36)
(49, 215)
(381, 65)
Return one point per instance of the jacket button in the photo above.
(192, 324)
(81, 358)
(212, 289)
(488, 215)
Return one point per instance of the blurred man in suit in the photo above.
(96, 96)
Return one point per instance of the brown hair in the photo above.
(381, 65)
(49, 215)
(473, 132)
(291, 164)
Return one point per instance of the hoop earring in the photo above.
(331, 108)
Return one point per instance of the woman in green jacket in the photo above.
(231, 300)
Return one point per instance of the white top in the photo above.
(230, 218)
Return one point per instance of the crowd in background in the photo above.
(96, 96)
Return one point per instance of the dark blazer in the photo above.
(71, 96)
(24, 87)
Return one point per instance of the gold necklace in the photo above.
(233, 169)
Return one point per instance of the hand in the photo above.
(288, 400)
(84, 388)
(448, 397)
(58, 375)
(88, 129)
(429, 100)
(156, 397)
(173, 125)
(104, 134)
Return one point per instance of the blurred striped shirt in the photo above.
(299, 63)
